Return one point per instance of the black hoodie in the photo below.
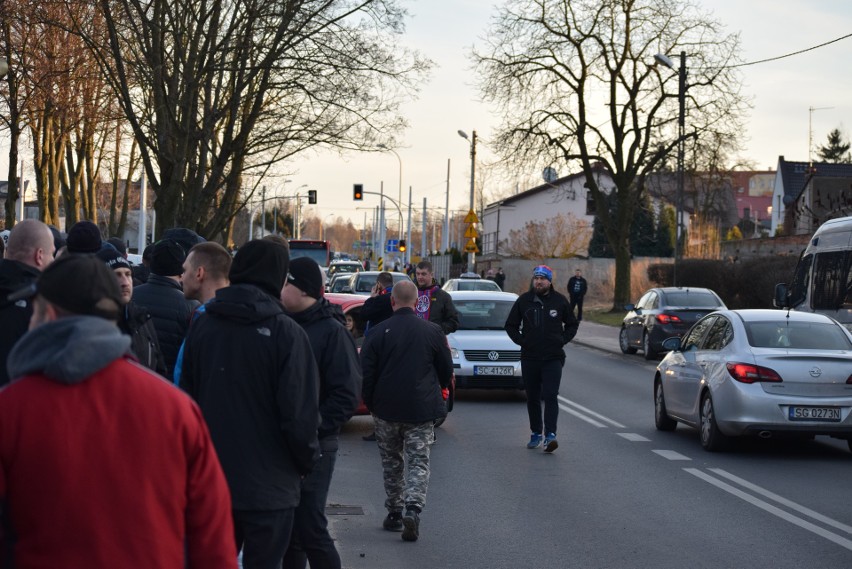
(251, 369)
(14, 317)
(339, 368)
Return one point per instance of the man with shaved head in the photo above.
(29, 251)
(405, 363)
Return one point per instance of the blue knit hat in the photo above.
(543, 271)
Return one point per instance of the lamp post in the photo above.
(322, 222)
(472, 258)
(681, 144)
(399, 197)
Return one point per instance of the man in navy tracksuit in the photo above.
(541, 322)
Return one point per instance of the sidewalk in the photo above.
(599, 336)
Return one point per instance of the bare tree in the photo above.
(576, 84)
(561, 236)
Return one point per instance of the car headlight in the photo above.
(455, 353)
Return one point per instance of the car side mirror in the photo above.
(782, 295)
(671, 344)
(629, 307)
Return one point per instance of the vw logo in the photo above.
(493, 356)
(815, 371)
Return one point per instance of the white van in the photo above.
(823, 279)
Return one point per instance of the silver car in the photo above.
(757, 372)
(483, 354)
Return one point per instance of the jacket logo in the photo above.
(553, 313)
(264, 331)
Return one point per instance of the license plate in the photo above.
(815, 413)
(493, 370)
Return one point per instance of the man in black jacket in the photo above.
(29, 251)
(378, 306)
(340, 386)
(251, 369)
(541, 322)
(406, 362)
(577, 287)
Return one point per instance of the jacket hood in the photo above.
(15, 275)
(244, 303)
(321, 310)
(68, 350)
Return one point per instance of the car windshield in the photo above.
(482, 314)
(343, 268)
(692, 300)
(797, 335)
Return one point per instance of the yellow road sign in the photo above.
(471, 217)
(471, 232)
(471, 247)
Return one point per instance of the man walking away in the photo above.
(542, 323)
(102, 463)
(340, 386)
(29, 251)
(577, 287)
(252, 371)
(406, 363)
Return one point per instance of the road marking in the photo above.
(774, 510)
(590, 412)
(783, 501)
(671, 455)
(634, 437)
(581, 416)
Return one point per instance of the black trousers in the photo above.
(541, 381)
(263, 536)
(310, 540)
(577, 300)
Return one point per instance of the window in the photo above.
(719, 335)
(693, 338)
(797, 335)
(832, 280)
(483, 315)
(643, 301)
(653, 301)
(799, 286)
(590, 204)
(692, 300)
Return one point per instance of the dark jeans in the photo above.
(310, 540)
(578, 302)
(541, 381)
(263, 535)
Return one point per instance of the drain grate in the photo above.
(342, 510)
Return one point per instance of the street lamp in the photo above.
(681, 143)
(399, 198)
(463, 134)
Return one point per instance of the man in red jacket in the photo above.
(102, 463)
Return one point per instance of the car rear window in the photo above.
(797, 335)
(692, 300)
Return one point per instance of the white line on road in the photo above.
(634, 437)
(671, 455)
(774, 510)
(581, 416)
(590, 412)
(783, 501)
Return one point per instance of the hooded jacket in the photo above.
(251, 369)
(406, 362)
(338, 365)
(14, 317)
(541, 325)
(119, 439)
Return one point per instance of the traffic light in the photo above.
(312, 196)
(402, 245)
(358, 192)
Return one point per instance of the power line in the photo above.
(792, 54)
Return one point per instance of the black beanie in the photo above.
(83, 237)
(167, 258)
(306, 275)
(113, 259)
(186, 238)
(261, 263)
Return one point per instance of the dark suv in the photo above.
(664, 313)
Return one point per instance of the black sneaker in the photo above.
(393, 521)
(411, 521)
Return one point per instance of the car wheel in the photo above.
(650, 354)
(623, 343)
(712, 438)
(661, 416)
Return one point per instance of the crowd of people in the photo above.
(105, 464)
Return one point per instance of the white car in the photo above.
(760, 373)
(483, 354)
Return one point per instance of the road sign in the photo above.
(471, 232)
(471, 217)
(471, 247)
(392, 246)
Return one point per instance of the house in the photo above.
(30, 206)
(807, 193)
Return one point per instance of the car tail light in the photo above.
(748, 373)
(667, 318)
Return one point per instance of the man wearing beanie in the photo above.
(117, 468)
(133, 320)
(340, 384)
(252, 371)
(83, 237)
(162, 296)
(541, 322)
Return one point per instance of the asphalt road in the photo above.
(616, 494)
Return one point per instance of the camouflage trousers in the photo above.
(404, 445)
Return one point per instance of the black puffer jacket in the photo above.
(541, 325)
(14, 317)
(170, 311)
(137, 323)
(406, 361)
(251, 369)
(339, 368)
